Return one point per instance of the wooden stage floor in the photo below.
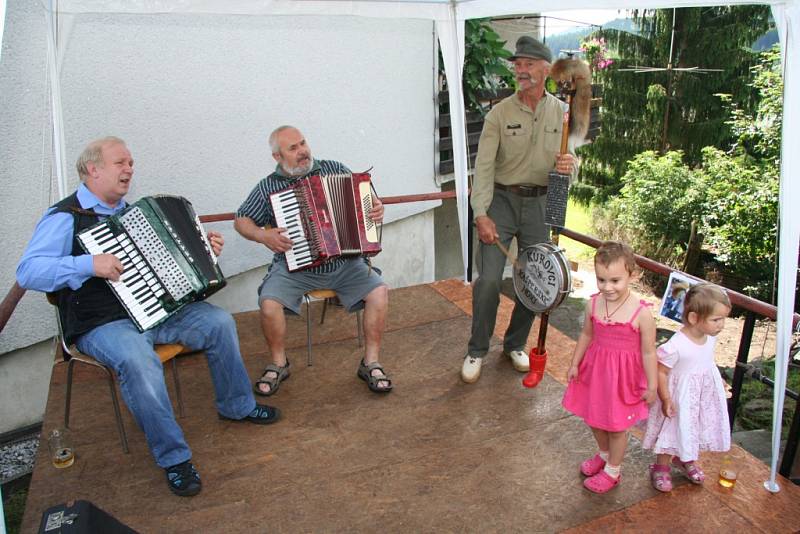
(435, 455)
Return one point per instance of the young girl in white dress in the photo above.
(691, 414)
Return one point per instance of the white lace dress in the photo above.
(700, 422)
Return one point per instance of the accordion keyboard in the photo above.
(138, 288)
(167, 258)
(287, 215)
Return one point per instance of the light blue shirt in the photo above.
(48, 263)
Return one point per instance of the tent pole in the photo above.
(787, 20)
(59, 162)
(453, 62)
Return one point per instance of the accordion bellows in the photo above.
(167, 257)
(326, 216)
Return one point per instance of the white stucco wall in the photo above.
(196, 97)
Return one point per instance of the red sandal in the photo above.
(661, 478)
(602, 482)
(593, 465)
(690, 469)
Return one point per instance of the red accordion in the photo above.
(326, 216)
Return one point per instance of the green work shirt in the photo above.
(518, 146)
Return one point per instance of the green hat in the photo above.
(531, 48)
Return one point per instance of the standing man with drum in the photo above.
(518, 147)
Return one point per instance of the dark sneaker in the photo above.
(183, 479)
(261, 415)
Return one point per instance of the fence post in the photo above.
(741, 360)
(790, 450)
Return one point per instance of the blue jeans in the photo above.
(198, 326)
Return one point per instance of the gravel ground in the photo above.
(16, 458)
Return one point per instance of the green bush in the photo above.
(741, 215)
(659, 199)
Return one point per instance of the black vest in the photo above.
(93, 304)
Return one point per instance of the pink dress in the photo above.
(698, 397)
(611, 379)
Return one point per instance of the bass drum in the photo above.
(542, 277)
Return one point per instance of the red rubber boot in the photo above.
(535, 375)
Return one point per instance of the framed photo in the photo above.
(672, 303)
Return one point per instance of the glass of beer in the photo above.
(727, 473)
(61, 452)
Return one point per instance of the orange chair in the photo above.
(71, 354)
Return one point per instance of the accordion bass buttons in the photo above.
(366, 206)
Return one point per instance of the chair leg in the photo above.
(308, 327)
(360, 327)
(177, 385)
(68, 400)
(115, 401)
(324, 309)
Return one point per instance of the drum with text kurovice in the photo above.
(542, 277)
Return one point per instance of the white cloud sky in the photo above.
(578, 18)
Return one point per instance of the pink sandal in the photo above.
(593, 465)
(602, 482)
(690, 469)
(660, 477)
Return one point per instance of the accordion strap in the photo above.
(81, 211)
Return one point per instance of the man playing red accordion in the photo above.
(356, 283)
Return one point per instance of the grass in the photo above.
(14, 507)
(578, 219)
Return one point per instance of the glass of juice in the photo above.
(61, 452)
(727, 473)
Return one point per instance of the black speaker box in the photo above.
(80, 517)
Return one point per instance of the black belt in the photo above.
(523, 190)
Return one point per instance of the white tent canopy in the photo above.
(449, 16)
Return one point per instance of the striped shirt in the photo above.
(258, 208)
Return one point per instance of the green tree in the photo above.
(732, 196)
(485, 65)
(758, 136)
(740, 218)
(671, 109)
(740, 222)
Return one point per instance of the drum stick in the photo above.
(505, 251)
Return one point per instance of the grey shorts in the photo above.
(352, 281)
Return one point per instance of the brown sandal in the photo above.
(373, 382)
(274, 382)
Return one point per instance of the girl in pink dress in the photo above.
(612, 378)
(692, 414)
